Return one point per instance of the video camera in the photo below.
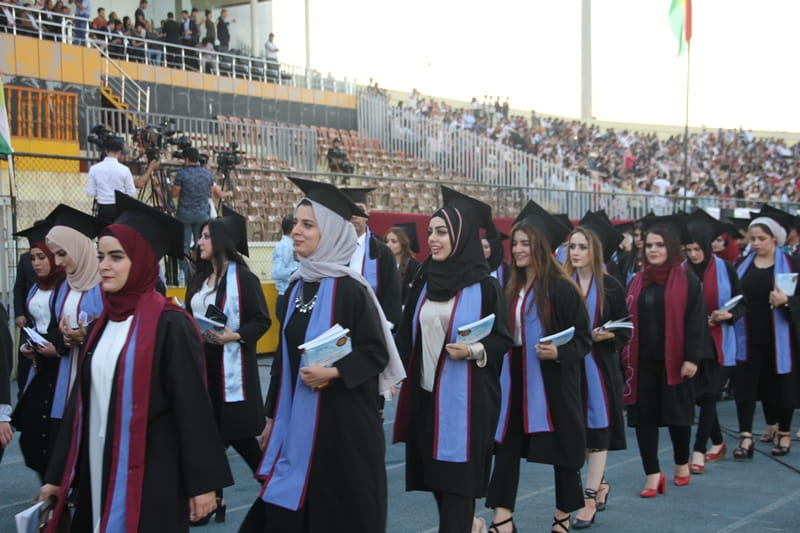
(230, 158)
(152, 139)
(182, 143)
(100, 136)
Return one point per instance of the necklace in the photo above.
(304, 307)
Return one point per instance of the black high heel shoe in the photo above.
(741, 452)
(218, 514)
(601, 506)
(778, 450)
(588, 494)
(493, 527)
(563, 524)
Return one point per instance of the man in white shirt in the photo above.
(107, 176)
(271, 48)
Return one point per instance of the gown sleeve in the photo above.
(254, 309)
(696, 322)
(204, 466)
(499, 341)
(736, 289)
(617, 308)
(389, 289)
(569, 309)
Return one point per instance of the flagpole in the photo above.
(686, 126)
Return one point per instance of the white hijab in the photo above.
(777, 230)
(329, 260)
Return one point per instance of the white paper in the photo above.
(28, 520)
(622, 323)
(34, 336)
(730, 304)
(562, 337)
(786, 282)
(206, 324)
(326, 349)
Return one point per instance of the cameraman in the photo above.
(337, 159)
(107, 176)
(194, 186)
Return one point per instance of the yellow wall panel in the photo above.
(268, 90)
(240, 86)
(195, 80)
(163, 75)
(210, 82)
(147, 73)
(225, 84)
(27, 59)
(317, 97)
(178, 78)
(306, 96)
(91, 67)
(50, 67)
(71, 63)
(254, 88)
(281, 92)
(294, 94)
(8, 63)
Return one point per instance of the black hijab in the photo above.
(498, 254)
(464, 266)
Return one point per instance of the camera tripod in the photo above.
(158, 192)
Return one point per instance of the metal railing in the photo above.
(121, 81)
(42, 115)
(458, 152)
(261, 143)
(76, 30)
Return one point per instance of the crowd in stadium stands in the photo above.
(735, 165)
(126, 37)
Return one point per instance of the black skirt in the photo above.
(710, 379)
(658, 403)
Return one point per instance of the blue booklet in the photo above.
(562, 337)
(326, 349)
(475, 331)
(27, 521)
(206, 324)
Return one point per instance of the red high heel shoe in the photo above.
(660, 489)
(720, 455)
(682, 481)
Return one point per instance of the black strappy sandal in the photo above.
(493, 527)
(778, 450)
(741, 452)
(563, 524)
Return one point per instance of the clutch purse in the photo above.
(216, 314)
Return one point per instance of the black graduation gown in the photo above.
(31, 416)
(607, 358)
(422, 471)
(675, 402)
(711, 377)
(26, 278)
(563, 381)
(239, 420)
(184, 456)
(346, 488)
(758, 371)
(411, 267)
(388, 292)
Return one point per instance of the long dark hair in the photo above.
(224, 249)
(405, 247)
(595, 261)
(547, 270)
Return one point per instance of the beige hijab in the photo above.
(81, 250)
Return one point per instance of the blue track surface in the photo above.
(762, 494)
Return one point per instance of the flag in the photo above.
(5, 131)
(680, 19)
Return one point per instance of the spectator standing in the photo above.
(139, 16)
(107, 176)
(155, 52)
(223, 33)
(100, 22)
(271, 48)
(171, 30)
(211, 32)
(284, 263)
(82, 14)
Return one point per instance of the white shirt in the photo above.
(357, 259)
(107, 176)
(104, 365)
(204, 296)
(39, 308)
(518, 318)
(272, 50)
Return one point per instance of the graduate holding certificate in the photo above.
(323, 466)
(224, 283)
(541, 414)
(449, 405)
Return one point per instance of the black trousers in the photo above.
(707, 424)
(505, 476)
(455, 512)
(107, 212)
(647, 437)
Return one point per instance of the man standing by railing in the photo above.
(82, 14)
(223, 34)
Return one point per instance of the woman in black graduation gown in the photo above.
(669, 321)
(402, 241)
(31, 417)
(767, 365)
(138, 441)
(602, 378)
(448, 408)
(542, 415)
(495, 255)
(720, 284)
(323, 465)
(222, 279)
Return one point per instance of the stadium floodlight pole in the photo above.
(586, 60)
(308, 37)
(686, 127)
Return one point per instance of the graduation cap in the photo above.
(739, 225)
(676, 223)
(163, 233)
(778, 215)
(475, 210)
(36, 233)
(410, 229)
(329, 196)
(64, 215)
(236, 226)
(554, 231)
(564, 219)
(624, 227)
(703, 228)
(608, 235)
(358, 195)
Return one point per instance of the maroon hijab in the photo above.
(56, 272)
